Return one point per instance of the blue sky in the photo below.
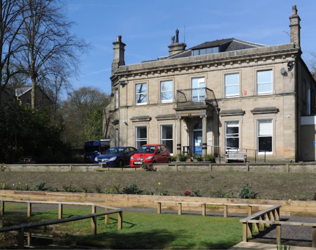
(146, 27)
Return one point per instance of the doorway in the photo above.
(197, 139)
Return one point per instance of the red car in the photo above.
(150, 153)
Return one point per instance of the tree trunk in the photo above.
(33, 93)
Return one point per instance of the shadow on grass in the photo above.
(153, 239)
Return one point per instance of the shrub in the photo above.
(148, 167)
(197, 193)
(97, 188)
(40, 186)
(187, 192)
(84, 189)
(132, 189)
(69, 188)
(219, 194)
(245, 192)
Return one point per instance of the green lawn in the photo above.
(147, 230)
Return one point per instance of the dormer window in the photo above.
(205, 51)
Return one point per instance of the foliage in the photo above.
(82, 112)
(245, 192)
(219, 194)
(69, 188)
(148, 167)
(40, 185)
(173, 157)
(197, 156)
(182, 156)
(209, 156)
(284, 247)
(196, 193)
(132, 189)
(97, 188)
(24, 132)
(187, 192)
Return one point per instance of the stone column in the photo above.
(204, 135)
(179, 135)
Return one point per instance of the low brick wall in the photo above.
(149, 201)
(181, 166)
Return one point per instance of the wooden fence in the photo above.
(21, 228)
(268, 217)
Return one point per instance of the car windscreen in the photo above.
(146, 149)
(113, 151)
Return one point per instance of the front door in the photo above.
(197, 139)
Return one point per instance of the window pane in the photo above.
(265, 127)
(166, 86)
(141, 98)
(262, 88)
(232, 142)
(169, 144)
(166, 132)
(265, 144)
(141, 88)
(234, 90)
(166, 96)
(232, 79)
(265, 76)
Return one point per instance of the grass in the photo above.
(145, 230)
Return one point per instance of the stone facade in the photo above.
(245, 97)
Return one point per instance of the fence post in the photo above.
(225, 211)
(249, 210)
(29, 239)
(21, 238)
(278, 236)
(120, 220)
(107, 217)
(203, 209)
(179, 208)
(2, 207)
(314, 237)
(93, 220)
(249, 228)
(244, 232)
(29, 209)
(60, 210)
(159, 207)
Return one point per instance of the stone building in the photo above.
(219, 96)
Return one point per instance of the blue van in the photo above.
(95, 148)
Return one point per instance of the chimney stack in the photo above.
(118, 59)
(295, 28)
(176, 47)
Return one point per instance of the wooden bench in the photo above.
(203, 206)
(236, 156)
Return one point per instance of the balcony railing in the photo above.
(196, 95)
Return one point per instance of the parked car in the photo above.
(150, 153)
(115, 156)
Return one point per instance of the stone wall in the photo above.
(181, 166)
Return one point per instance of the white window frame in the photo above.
(140, 139)
(142, 93)
(161, 91)
(261, 83)
(237, 125)
(232, 85)
(162, 140)
(264, 135)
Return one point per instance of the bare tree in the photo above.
(82, 113)
(50, 46)
(11, 21)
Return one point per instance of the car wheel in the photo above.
(169, 160)
(121, 164)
